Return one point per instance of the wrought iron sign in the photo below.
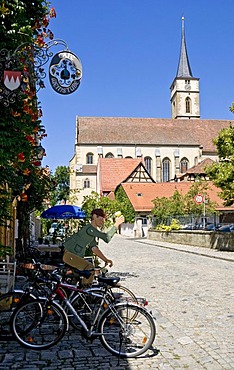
(65, 71)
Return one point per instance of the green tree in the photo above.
(94, 200)
(178, 205)
(191, 207)
(124, 205)
(168, 207)
(222, 172)
(24, 26)
(62, 188)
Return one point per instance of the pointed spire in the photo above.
(184, 69)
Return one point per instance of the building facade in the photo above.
(167, 147)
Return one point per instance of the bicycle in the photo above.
(124, 329)
(32, 289)
(120, 292)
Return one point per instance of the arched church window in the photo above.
(109, 155)
(89, 158)
(188, 105)
(86, 183)
(148, 164)
(184, 165)
(166, 167)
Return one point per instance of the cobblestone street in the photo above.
(190, 293)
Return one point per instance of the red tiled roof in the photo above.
(89, 168)
(141, 195)
(200, 167)
(113, 171)
(149, 131)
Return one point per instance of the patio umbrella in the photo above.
(65, 211)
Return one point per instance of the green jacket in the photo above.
(86, 238)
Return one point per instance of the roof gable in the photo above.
(139, 174)
(113, 171)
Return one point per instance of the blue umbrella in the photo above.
(64, 211)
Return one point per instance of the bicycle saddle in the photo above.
(112, 281)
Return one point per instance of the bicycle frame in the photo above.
(104, 300)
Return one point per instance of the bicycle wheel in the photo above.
(39, 324)
(8, 302)
(123, 294)
(127, 330)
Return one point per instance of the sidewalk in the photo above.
(212, 253)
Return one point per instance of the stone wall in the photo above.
(208, 239)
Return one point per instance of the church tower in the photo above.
(185, 88)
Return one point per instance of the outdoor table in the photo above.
(48, 248)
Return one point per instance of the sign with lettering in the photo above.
(65, 72)
(199, 199)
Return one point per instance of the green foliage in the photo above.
(191, 207)
(4, 251)
(222, 172)
(178, 205)
(109, 206)
(124, 205)
(62, 188)
(167, 207)
(175, 225)
(23, 24)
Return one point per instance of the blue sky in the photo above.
(129, 51)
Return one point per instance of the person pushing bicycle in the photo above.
(87, 238)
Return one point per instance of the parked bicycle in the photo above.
(124, 329)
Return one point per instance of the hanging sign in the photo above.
(65, 72)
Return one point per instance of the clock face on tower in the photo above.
(187, 87)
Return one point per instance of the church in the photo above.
(110, 150)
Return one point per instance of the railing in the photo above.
(7, 275)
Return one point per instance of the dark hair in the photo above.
(98, 212)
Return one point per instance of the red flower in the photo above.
(45, 22)
(52, 13)
(26, 172)
(21, 157)
(31, 139)
(36, 163)
(24, 197)
(16, 114)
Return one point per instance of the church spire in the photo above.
(184, 69)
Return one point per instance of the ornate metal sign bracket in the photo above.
(24, 67)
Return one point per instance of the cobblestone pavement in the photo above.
(190, 292)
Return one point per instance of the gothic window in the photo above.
(86, 183)
(89, 158)
(109, 155)
(166, 166)
(184, 165)
(188, 105)
(148, 164)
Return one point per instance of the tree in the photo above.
(165, 208)
(178, 205)
(94, 200)
(125, 205)
(222, 172)
(62, 188)
(24, 26)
